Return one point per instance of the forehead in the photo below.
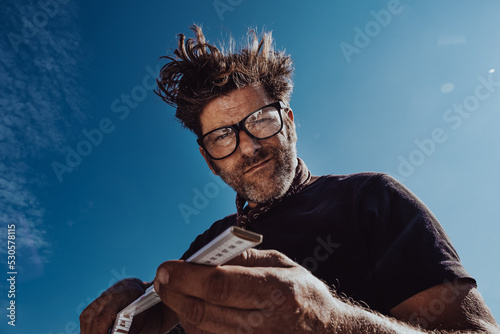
(233, 107)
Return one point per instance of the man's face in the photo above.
(258, 170)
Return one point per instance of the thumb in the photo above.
(261, 258)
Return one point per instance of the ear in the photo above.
(207, 160)
(289, 113)
(290, 125)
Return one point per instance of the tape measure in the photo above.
(226, 246)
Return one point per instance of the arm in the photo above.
(456, 305)
(265, 292)
(99, 316)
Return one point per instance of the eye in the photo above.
(263, 117)
(263, 120)
(221, 136)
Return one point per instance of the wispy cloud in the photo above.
(40, 105)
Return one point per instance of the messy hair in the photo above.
(199, 72)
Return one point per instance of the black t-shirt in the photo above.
(364, 234)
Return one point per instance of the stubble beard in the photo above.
(265, 184)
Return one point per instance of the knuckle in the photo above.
(85, 316)
(93, 318)
(216, 287)
(269, 257)
(90, 312)
(118, 295)
(279, 259)
(122, 292)
(126, 284)
(279, 256)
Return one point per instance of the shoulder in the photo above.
(360, 178)
(359, 182)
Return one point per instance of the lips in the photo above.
(257, 166)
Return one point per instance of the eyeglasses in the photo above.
(260, 124)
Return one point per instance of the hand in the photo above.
(99, 316)
(259, 291)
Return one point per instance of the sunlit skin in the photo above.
(258, 169)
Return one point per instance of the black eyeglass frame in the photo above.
(240, 126)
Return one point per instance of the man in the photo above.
(341, 254)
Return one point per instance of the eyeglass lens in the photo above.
(262, 124)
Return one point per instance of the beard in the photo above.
(269, 182)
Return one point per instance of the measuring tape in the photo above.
(220, 250)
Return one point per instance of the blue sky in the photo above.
(410, 88)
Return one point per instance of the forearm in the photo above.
(350, 318)
(356, 319)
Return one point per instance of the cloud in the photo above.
(40, 105)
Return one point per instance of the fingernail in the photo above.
(162, 276)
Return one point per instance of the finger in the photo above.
(191, 329)
(233, 286)
(99, 316)
(261, 258)
(197, 316)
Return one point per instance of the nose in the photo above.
(248, 145)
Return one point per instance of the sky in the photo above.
(102, 183)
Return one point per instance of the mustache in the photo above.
(262, 154)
